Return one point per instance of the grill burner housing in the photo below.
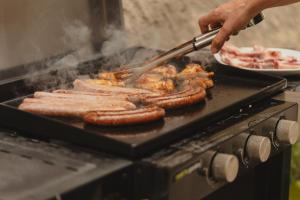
(33, 169)
(181, 165)
(174, 172)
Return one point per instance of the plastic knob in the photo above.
(287, 131)
(258, 148)
(225, 167)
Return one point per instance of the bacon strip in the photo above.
(259, 58)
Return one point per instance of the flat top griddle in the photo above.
(234, 88)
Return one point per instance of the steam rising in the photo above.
(77, 37)
(115, 47)
(116, 42)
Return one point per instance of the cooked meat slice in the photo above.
(90, 87)
(115, 118)
(62, 108)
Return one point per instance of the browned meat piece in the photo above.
(115, 118)
(209, 83)
(106, 82)
(113, 78)
(156, 82)
(108, 76)
(167, 71)
(198, 82)
(194, 75)
(192, 68)
(160, 79)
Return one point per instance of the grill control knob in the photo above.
(287, 131)
(258, 148)
(225, 167)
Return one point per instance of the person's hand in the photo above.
(232, 16)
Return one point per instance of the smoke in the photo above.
(60, 71)
(119, 50)
(116, 42)
(77, 38)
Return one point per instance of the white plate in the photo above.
(280, 72)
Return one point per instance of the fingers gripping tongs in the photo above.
(195, 44)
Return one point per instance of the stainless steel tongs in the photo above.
(195, 44)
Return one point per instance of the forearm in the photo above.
(235, 16)
(264, 4)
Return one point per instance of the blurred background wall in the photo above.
(165, 23)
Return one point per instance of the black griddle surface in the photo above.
(234, 88)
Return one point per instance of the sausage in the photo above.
(185, 92)
(116, 118)
(188, 97)
(131, 98)
(72, 96)
(63, 108)
(181, 101)
(90, 87)
(101, 94)
(84, 101)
